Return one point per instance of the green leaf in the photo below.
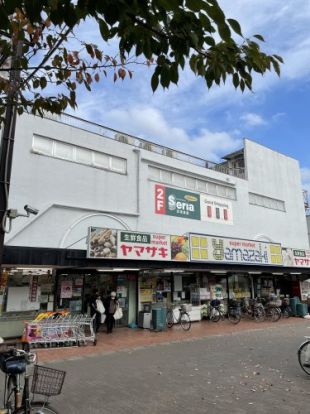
(154, 81)
(236, 80)
(43, 82)
(276, 66)
(259, 37)
(235, 26)
(279, 58)
(165, 77)
(104, 29)
(224, 32)
(195, 5)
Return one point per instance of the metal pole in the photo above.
(7, 144)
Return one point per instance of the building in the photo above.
(81, 175)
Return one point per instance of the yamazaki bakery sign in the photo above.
(184, 204)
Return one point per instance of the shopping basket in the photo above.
(47, 381)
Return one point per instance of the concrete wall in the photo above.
(71, 197)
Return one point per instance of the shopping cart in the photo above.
(63, 330)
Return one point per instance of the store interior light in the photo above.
(117, 269)
(277, 274)
(218, 272)
(254, 273)
(295, 273)
(173, 271)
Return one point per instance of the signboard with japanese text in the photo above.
(143, 246)
(120, 244)
(206, 248)
(216, 210)
(296, 257)
(178, 203)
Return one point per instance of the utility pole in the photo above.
(7, 143)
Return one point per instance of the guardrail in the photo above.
(141, 143)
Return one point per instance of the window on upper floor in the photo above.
(267, 202)
(191, 183)
(69, 152)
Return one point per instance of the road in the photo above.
(244, 372)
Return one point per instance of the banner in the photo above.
(178, 203)
(295, 257)
(225, 250)
(216, 210)
(184, 204)
(106, 243)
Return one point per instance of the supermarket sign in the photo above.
(178, 203)
(106, 243)
(204, 248)
(296, 257)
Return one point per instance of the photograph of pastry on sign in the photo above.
(178, 203)
(221, 249)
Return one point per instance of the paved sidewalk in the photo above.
(126, 338)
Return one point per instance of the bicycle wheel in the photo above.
(273, 314)
(169, 319)
(304, 357)
(38, 408)
(234, 316)
(259, 314)
(215, 315)
(185, 321)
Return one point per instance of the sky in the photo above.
(213, 123)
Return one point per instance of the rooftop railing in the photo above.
(143, 144)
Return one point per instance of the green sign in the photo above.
(182, 204)
(135, 237)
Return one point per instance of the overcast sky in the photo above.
(212, 123)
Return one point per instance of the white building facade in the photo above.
(81, 175)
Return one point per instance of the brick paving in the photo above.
(124, 339)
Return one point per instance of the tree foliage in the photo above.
(36, 52)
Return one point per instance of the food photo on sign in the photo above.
(102, 243)
(179, 248)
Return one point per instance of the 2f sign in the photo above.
(160, 199)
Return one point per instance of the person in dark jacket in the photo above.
(110, 305)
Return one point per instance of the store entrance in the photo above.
(74, 292)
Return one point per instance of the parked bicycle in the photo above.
(234, 312)
(272, 309)
(304, 355)
(216, 310)
(181, 318)
(251, 308)
(285, 308)
(46, 381)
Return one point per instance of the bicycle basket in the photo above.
(215, 302)
(12, 364)
(47, 381)
(186, 307)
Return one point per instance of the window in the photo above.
(42, 145)
(187, 182)
(64, 151)
(267, 202)
(101, 160)
(53, 148)
(84, 156)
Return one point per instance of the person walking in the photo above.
(96, 310)
(110, 305)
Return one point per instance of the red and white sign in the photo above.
(216, 210)
(160, 199)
